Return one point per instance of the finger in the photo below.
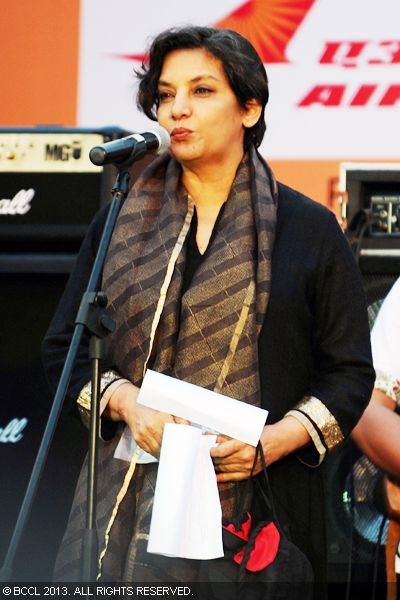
(226, 448)
(149, 442)
(241, 457)
(224, 468)
(233, 467)
(223, 438)
(235, 476)
(153, 450)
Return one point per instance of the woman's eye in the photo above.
(203, 91)
(162, 96)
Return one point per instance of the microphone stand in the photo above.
(91, 315)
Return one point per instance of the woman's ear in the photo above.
(252, 113)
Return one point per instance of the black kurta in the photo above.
(315, 341)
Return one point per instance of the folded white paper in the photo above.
(186, 518)
(216, 412)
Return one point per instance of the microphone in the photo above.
(127, 150)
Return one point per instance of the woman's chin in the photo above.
(183, 154)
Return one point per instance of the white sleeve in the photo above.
(385, 335)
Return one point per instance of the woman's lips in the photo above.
(180, 133)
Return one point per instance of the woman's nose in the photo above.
(180, 106)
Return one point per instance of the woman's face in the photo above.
(199, 109)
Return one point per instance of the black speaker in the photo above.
(27, 303)
(49, 193)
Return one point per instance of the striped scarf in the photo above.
(207, 336)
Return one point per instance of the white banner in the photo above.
(333, 67)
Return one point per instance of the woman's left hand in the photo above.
(233, 460)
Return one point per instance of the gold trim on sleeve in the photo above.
(84, 399)
(305, 421)
(323, 420)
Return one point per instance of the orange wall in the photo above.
(38, 62)
(312, 178)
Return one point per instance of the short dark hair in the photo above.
(242, 66)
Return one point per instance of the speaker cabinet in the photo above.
(49, 193)
(27, 303)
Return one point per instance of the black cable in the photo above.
(357, 228)
(361, 233)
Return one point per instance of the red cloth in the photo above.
(243, 532)
(265, 549)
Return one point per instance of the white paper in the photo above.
(127, 446)
(186, 519)
(231, 417)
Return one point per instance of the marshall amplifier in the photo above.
(49, 192)
(49, 189)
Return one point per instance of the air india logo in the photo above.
(268, 24)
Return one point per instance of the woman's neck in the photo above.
(209, 186)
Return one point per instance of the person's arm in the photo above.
(120, 404)
(146, 424)
(343, 379)
(378, 433)
(344, 375)
(234, 460)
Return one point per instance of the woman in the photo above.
(249, 257)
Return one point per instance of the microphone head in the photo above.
(164, 138)
(126, 150)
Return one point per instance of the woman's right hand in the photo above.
(146, 424)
